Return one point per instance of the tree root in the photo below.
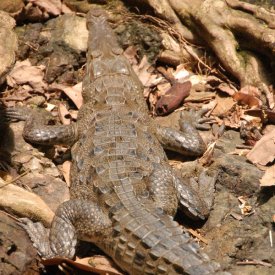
(239, 34)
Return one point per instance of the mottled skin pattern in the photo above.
(123, 192)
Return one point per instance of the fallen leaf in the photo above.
(142, 70)
(66, 168)
(264, 150)
(51, 6)
(24, 73)
(172, 99)
(74, 93)
(97, 264)
(64, 114)
(49, 107)
(248, 95)
(224, 87)
(224, 104)
(263, 114)
(268, 178)
(131, 54)
(24, 203)
(181, 73)
(246, 209)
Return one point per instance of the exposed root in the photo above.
(237, 32)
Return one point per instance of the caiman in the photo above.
(123, 192)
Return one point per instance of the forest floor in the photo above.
(49, 68)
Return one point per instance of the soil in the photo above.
(239, 229)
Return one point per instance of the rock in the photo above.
(8, 45)
(11, 6)
(17, 252)
(236, 174)
(28, 36)
(43, 176)
(70, 30)
(232, 240)
(38, 100)
(62, 41)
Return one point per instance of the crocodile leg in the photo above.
(74, 219)
(166, 190)
(36, 129)
(196, 198)
(187, 141)
(162, 190)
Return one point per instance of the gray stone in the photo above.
(8, 44)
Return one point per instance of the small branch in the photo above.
(259, 12)
(254, 262)
(198, 236)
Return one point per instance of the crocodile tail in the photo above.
(145, 242)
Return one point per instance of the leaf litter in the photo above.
(229, 106)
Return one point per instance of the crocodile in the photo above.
(123, 192)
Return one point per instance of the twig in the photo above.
(197, 235)
(270, 238)
(254, 262)
(15, 179)
(11, 216)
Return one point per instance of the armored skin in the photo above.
(123, 192)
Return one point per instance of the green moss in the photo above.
(144, 37)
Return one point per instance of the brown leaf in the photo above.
(24, 73)
(224, 104)
(264, 150)
(74, 93)
(51, 6)
(66, 168)
(64, 114)
(172, 99)
(224, 87)
(24, 203)
(97, 264)
(268, 178)
(263, 114)
(248, 95)
(131, 54)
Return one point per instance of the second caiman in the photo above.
(123, 192)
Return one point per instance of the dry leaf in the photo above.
(248, 95)
(224, 104)
(246, 209)
(263, 114)
(51, 6)
(24, 73)
(97, 264)
(66, 167)
(63, 112)
(49, 107)
(268, 178)
(181, 73)
(224, 87)
(172, 99)
(145, 76)
(74, 93)
(264, 150)
(24, 203)
(131, 54)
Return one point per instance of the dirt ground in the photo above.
(49, 68)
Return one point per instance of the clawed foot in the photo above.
(196, 198)
(195, 119)
(204, 186)
(39, 236)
